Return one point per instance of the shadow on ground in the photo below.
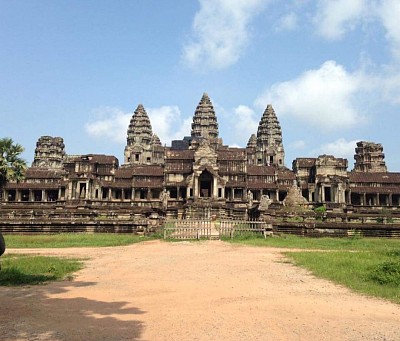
(37, 313)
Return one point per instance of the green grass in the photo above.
(366, 265)
(28, 270)
(295, 242)
(64, 240)
(364, 272)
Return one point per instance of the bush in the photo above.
(320, 209)
(387, 273)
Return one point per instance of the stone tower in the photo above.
(369, 157)
(269, 140)
(49, 153)
(252, 141)
(205, 123)
(140, 141)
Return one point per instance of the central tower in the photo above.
(269, 140)
(205, 123)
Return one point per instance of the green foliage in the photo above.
(387, 273)
(296, 219)
(63, 240)
(24, 270)
(371, 273)
(325, 243)
(320, 209)
(12, 166)
(366, 265)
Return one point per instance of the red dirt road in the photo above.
(191, 291)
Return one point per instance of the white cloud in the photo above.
(287, 22)
(339, 148)
(335, 17)
(324, 97)
(389, 13)
(112, 124)
(245, 123)
(168, 123)
(109, 123)
(220, 32)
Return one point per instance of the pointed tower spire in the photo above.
(252, 141)
(155, 140)
(139, 130)
(140, 135)
(204, 120)
(269, 139)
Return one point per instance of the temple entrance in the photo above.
(205, 184)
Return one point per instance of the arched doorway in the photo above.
(206, 184)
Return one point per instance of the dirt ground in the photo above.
(208, 290)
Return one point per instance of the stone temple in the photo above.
(199, 176)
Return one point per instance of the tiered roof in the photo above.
(139, 130)
(204, 120)
(269, 131)
(252, 141)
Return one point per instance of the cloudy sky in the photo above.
(78, 69)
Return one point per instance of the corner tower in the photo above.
(49, 153)
(269, 140)
(142, 145)
(205, 123)
(369, 158)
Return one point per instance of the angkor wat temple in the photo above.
(199, 176)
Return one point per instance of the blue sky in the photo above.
(78, 69)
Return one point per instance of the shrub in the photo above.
(320, 209)
(387, 273)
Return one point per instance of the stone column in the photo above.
(196, 186)
(133, 193)
(390, 199)
(31, 198)
(178, 192)
(377, 200)
(87, 194)
(187, 192)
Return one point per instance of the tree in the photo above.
(12, 168)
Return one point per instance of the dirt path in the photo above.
(191, 291)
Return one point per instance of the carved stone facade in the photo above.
(269, 140)
(49, 153)
(205, 123)
(369, 158)
(143, 147)
(199, 175)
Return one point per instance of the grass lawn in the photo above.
(63, 240)
(25, 270)
(366, 265)
(296, 242)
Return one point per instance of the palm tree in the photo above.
(12, 168)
